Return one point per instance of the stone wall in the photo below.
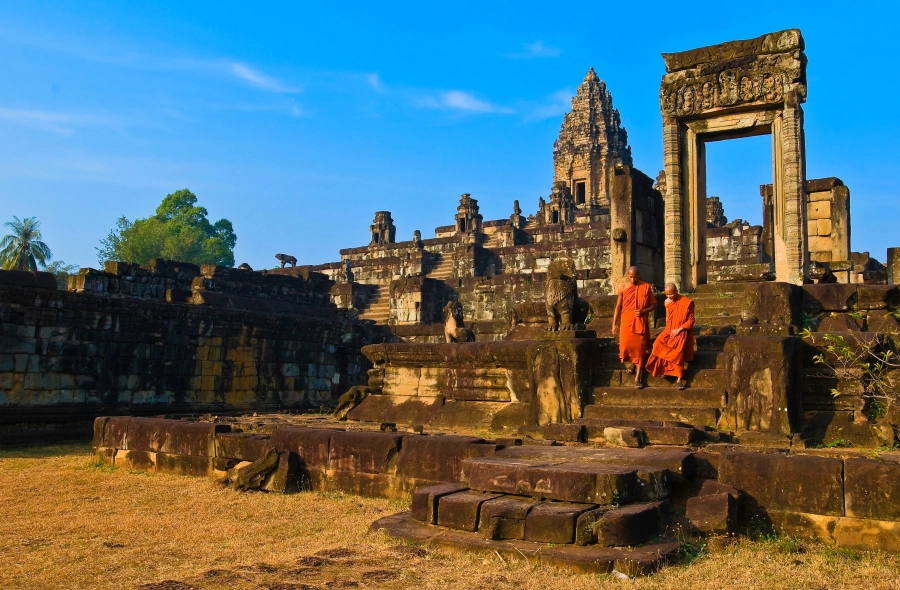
(67, 354)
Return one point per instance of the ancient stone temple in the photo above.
(500, 334)
(591, 143)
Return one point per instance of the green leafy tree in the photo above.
(179, 231)
(61, 271)
(23, 248)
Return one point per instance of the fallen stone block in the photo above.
(554, 522)
(564, 432)
(425, 501)
(713, 514)
(245, 477)
(285, 478)
(460, 511)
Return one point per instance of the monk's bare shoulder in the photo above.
(622, 288)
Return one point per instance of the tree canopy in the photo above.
(23, 248)
(179, 231)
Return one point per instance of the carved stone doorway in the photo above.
(728, 91)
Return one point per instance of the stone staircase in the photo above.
(491, 241)
(591, 509)
(442, 270)
(664, 414)
(376, 309)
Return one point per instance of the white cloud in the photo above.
(458, 100)
(375, 82)
(535, 50)
(55, 122)
(558, 103)
(257, 79)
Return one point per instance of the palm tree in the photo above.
(23, 248)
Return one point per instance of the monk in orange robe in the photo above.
(634, 303)
(675, 346)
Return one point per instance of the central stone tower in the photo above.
(591, 142)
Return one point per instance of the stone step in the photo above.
(694, 377)
(677, 462)
(719, 321)
(694, 415)
(703, 397)
(589, 559)
(709, 306)
(717, 289)
(575, 481)
(703, 359)
(656, 432)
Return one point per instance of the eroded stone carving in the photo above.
(454, 330)
(561, 294)
(286, 259)
(245, 266)
(354, 396)
(760, 70)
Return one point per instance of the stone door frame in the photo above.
(728, 91)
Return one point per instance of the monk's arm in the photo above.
(617, 311)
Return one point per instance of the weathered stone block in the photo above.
(439, 458)
(624, 437)
(786, 482)
(136, 460)
(243, 446)
(629, 525)
(114, 434)
(461, 510)
(286, 477)
(425, 500)
(504, 517)
(829, 297)
(194, 465)
(99, 431)
(310, 444)
(762, 380)
(872, 489)
(714, 514)
(366, 452)
(877, 296)
(553, 522)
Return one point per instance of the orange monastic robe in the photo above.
(670, 353)
(634, 332)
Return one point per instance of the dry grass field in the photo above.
(65, 523)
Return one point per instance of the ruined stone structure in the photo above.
(730, 90)
(535, 295)
(172, 337)
(591, 144)
(383, 230)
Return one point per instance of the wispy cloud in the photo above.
(60, 123)
(257, 79)
(457, 100)
(374, 80)
(556, 104)
(535, 50)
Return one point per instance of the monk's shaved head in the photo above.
(633, 276)
(671, 288)
(633, 270)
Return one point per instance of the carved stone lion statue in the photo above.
(245, 266)
(454, 330)
(561, 295)
(286, 259)
(354, 396)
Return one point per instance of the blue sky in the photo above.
(297, 121)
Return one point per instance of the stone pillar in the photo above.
(674, 239)
(893, 265)
(790, 179)
(621, 229)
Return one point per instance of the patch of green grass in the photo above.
(838, 443)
